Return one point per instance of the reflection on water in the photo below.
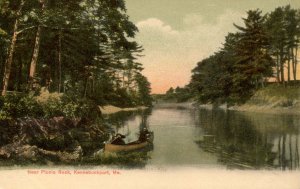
(129, 123)
(251, 140)
(206, 138)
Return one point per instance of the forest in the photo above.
(262, 52)
(80, 51)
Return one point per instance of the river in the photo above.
(215, 138)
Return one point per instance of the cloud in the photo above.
(172, 54)
(157, 25)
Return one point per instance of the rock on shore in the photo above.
(59, 138)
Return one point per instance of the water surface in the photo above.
(216, 138)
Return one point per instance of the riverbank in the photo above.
(269, 109)
(256, 108)
(50, 141)
(109, 109)
(54, 129)
(274, 99)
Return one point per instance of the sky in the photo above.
(176, 34)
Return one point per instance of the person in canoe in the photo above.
(144, 135)
(118, 139)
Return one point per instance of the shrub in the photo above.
(52, 108)
(19, 105)
(68, 107)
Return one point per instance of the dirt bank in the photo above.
(109, 109)
(266, 109)
(273, 99)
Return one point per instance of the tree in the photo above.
(36, 49)
(283, 28)
(9, 60)
(293, 32)
(254, 62)
(233, 73)
(144, 90)
(170, 91)
(211, 79)
(276, 28)
(89, 50)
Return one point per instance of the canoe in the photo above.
(136, 145)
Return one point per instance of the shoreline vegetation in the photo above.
(49, 129)
(63, 141)
(273, 99)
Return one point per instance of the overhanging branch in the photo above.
(18, 32)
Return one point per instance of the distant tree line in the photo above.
(265, 47)
(82, 48)
(179, 94)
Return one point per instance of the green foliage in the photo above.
(254, 62)
(70, 107)
(2, 32)
(4, 115)
(283, 27)
(52, 108)
(17, 106)
(212, 79)
(144, 90)
(249, 57)
(177, 95)
(86, 49)
(13, 106)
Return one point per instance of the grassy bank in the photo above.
(273, 99)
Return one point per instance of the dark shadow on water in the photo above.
(118, 119)
(132, 159)
(250, 141)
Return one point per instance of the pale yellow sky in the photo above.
(177, 34)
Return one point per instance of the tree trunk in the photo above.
(9, 60)
(289, 66)
(19, 73)
(295, 64)
(85, 87)
(282, 67)
(123, 79)
(262, 80)
(35, 54)
(277, 69)
(59, 61)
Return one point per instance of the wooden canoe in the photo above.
(136, 145)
